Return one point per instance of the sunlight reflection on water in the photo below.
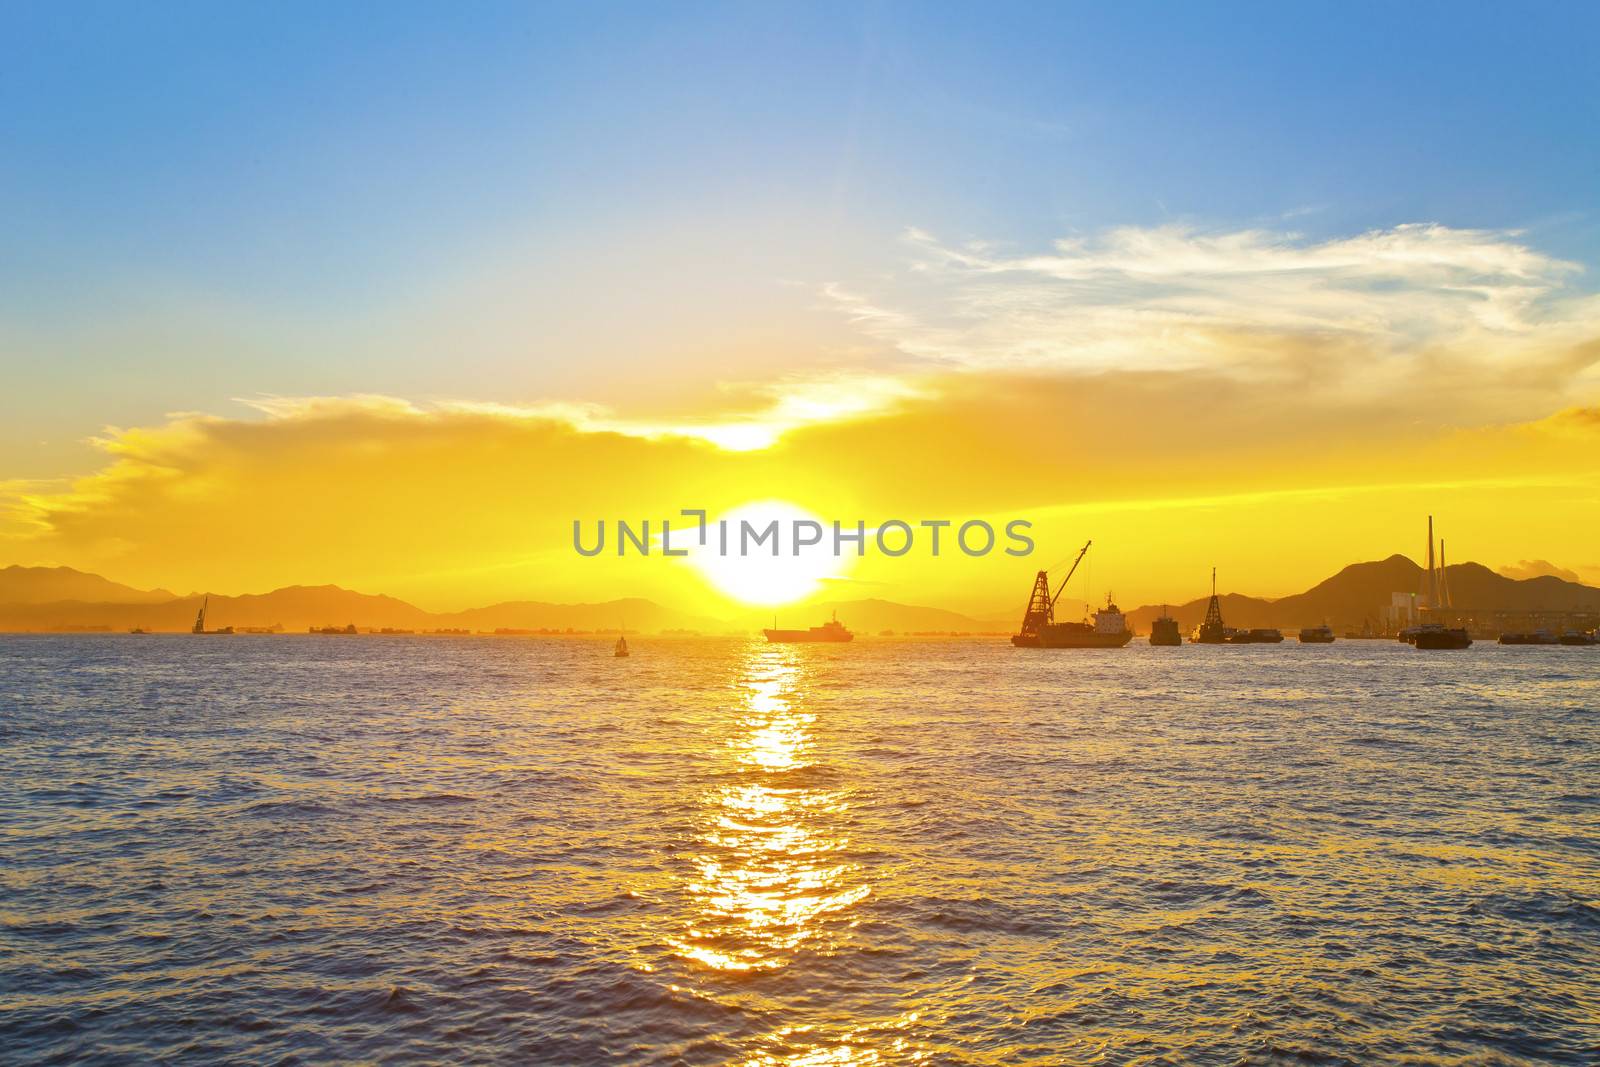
(764, 879)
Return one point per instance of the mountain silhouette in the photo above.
(56, 598)
(1359, 591)
(298, 607)
(44, 585)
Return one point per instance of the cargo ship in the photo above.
(1579, 638)
(1317, 635)
(1164, 631)
(1261, 635)
(1537, 637)
(832, 630)
(1109, 630)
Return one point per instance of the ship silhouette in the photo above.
(200, 621)
(1164, 630)
(832, 630)
(1039, 627)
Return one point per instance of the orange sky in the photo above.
(1275, 482)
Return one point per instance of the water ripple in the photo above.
(489, 851)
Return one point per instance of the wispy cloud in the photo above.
(1539, 568)
(1247, 303)
(774, 409)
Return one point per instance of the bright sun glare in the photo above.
(760, 577)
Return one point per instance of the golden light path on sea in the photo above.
(764, 874)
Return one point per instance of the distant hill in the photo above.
(1473, 585)
(56, 598)
(43, 585)
(1361, 589)
(294, 607)
(297, 607)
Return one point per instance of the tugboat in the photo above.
(1164, 631)
(1211, 631)
(1317, 635)
(1431, 635)
(832, 630)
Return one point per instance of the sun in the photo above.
(757, 576)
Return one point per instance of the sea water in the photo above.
(520, 850)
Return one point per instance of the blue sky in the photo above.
(201, 202)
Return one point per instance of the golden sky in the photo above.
(1271, 405)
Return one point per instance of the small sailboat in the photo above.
(621, 648)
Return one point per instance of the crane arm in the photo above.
(1063, 587)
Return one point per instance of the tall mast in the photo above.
(1433, 575)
